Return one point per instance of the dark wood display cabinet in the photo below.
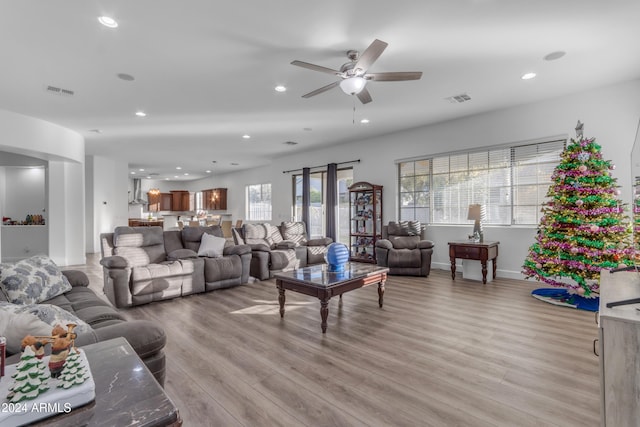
(365, 225)
(214, 199)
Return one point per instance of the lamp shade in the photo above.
(476, 212)
(352, 85)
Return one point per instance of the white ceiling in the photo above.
(205, 70)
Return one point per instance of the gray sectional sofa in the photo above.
(280, 248)
(146, 338)
(146, 264)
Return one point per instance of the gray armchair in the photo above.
(403, 253)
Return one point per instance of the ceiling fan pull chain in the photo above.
(354, 112)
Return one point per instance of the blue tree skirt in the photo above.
(561, 297)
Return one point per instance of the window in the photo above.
(317, 219)
(258, 202)
(511, 182)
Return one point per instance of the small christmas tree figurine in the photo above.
(583, 228)
(31, 378)
(74, 372)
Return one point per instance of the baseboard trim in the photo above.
(508, 274)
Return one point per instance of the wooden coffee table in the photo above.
(318, 282)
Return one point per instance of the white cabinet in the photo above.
(619, 350)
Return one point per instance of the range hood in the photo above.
(137, 193)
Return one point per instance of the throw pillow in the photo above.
(15, 326)
(211, 246)
(50, 315)
(255, 234)
(295, 232)
(33, 280)
(415, 228)
(274, 234)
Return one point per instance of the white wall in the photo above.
(64, 149)
(66, 213)
(106, 201)
(610, 114)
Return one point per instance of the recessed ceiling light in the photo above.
(554, 55)
(186, 174)
(166, 179)
(141, 114)
(208, 171)
(528, 76)
(364, 121)
(178, 167)
(148, 177)
(133, 173)
(280, 88)
(233, 164)
(175, 176)
(126, 77)
(108, 21)
(141, 170)
(246, 136)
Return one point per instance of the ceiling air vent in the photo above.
(459, 99)
(290, 143)
(58, 91)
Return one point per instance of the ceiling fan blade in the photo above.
(316, 67)
(394, 76)
(370, 55)
(364, 96)
(322, 89)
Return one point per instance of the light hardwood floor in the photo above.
(439, 353)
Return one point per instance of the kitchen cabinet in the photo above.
(159, 201)
(365, 225)
(165, 201)
(214, 199)
(181, 201)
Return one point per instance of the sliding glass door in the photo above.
(317, 208)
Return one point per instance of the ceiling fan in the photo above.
(353, 74)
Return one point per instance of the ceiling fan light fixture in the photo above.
(353, 85)
(108, 21)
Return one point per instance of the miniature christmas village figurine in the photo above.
(31, 378)
(36, 344)
(73, 373)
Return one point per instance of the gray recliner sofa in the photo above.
(404, 253)
(147, 338)
(146, 264)
(280, 248)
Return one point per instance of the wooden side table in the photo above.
(480, 251)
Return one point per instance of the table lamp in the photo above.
(477, 214)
